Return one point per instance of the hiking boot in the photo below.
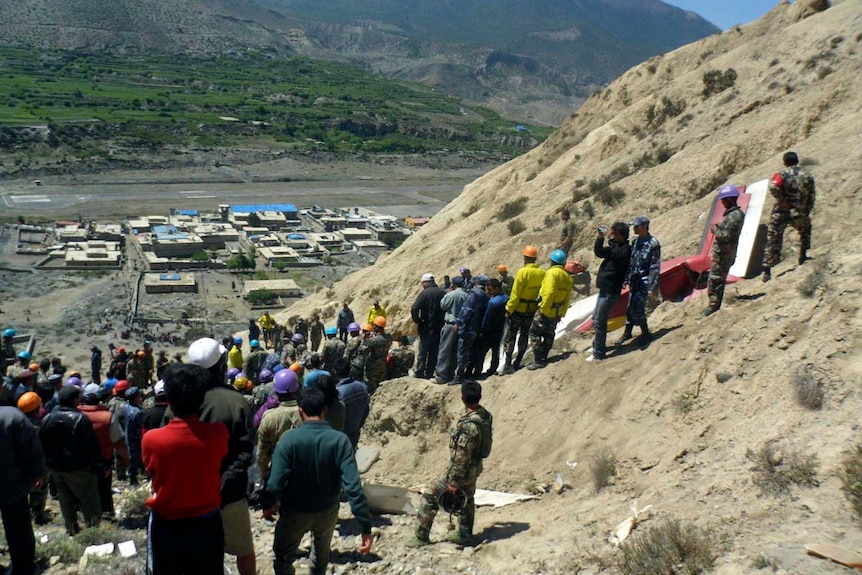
(627, 335)
(803, 257)
(415, 542)
(645, 339)
(439, 381)
(537, 365)
(767, 275)
(709, 311)
(42, 517)
(508, 370)
(456, 381)
(456, 538)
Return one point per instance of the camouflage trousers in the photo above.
(636, 309)
(429, 507)
(518, 329)
(374, 374)
(716, 282)
(542, 336)
(778, 221)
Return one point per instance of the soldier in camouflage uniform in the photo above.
(351, 352)
(375, 349)
(333, 349)
(401, 359)
(465, 465)
(567, 234)
(724, 248)
(316, 331)
(793, 190)
(506, 280)
(293, 350)
(643, 276)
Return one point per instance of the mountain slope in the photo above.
(681, 415)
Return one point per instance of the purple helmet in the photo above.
(265, 376)
(297, 338)
(353, 326)
(76, 381)
(728, 191)
(285, 382)
(232, 373)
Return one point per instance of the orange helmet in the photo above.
(367, 327)
(502, 268)
(34, 367)
(574, 267)
(142, 354)
(29, 402)
(531, 251)
(380, 321)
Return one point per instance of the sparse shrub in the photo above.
(133, 512)
(715, 81)
(610, 195)
(657, 114)
(775, 62)
(823, 72)
(579, 193)
(512, 209)
(809, 390)
(604, 466)
(670, 547)
(777, 469)
(472, 209)
(531, 176)
(515, 226)
(763, 561)
(851, 478)
(815, 280)
(620, 172)
(684, 403)
(66, 548)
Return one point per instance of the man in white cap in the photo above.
(226, 405)
(428, 317)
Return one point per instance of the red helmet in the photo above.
(121, 387)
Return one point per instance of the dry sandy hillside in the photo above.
(797, 86)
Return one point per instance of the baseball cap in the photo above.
(205, 352)
(427, 278)
(133, 392)
(482, 279)
(458, 281)
(640, 221)
(92, 390)
(159, 388)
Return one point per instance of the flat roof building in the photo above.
(170, 283)
(281, 288)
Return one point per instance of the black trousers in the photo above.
(19, 536)
(193, 546)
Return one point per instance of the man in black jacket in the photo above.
(612, 274)
(428, 316)
(22, 468)
(74, 457)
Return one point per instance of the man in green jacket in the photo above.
(310, 466)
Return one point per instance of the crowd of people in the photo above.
(295, 404)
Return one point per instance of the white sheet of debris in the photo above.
(486, 498)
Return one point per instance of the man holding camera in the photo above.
(612, 274)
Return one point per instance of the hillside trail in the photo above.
(680, 416)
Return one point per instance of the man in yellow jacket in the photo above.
(267, 323)
(554, 296)
(522, 305)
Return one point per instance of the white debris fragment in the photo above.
(127, 549)
(102, 550)
(622, 531)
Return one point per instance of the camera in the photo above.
(603, 230)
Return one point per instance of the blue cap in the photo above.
(458, 281)
(640, 221)
(482, 279)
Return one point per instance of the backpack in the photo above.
(486, 432)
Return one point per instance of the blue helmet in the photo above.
(9, 332)
(331, 330)
(254, 343)
(24, 355)
(237, 340)
(558, 257)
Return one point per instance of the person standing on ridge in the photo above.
(567, 234)
(376, 310)
(428, 317)
(643, 277)
(612, 274)
(521, 307)
(345, 318)
(793, 190)
(726, 234)
(554, 297)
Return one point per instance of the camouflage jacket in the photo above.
(376, 349)
(291, 353)
(727, 234)
(645, 263)
(793, 189)
(332, 350)
(401, 359)
(351, 349)
(464, 446)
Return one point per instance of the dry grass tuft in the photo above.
(604, 467)
(809, 390)
(777, 469)
(815, 281)
(670, 547)
(851, 478)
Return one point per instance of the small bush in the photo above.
(809, 390)
(66, 548)
(516, 226)
(851, 478)
(610, 196)
(777, 469)
(512, 209)
(715, 81)
(604, 467)
(668, 548)
(657, 114)
(684, 403)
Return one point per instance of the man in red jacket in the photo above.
(185, 532)
(110, 436)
